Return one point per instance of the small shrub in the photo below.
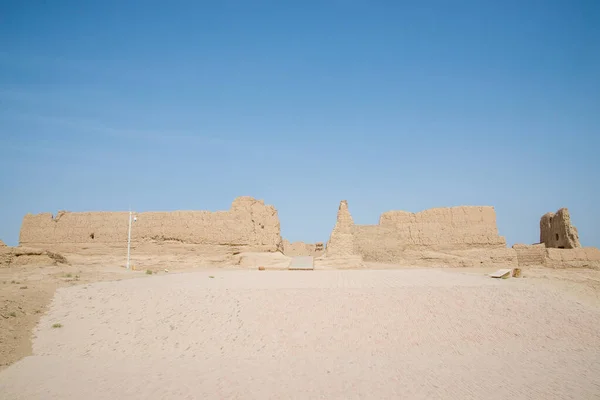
(68, 275)
(23, 287)
(57, 325)
(148, 272)
(13, 281)
(13, 314)
(211, 276)
(58, 259)
(38, 311)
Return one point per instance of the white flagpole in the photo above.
(129, 239)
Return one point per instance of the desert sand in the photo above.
(404, 333)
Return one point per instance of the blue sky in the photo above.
(388, 104)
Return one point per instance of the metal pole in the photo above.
(129, 240)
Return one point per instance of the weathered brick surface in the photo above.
(248, 222)
(440, 230)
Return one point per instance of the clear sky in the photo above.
(166, 105)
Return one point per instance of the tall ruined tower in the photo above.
(341, 241)
(557, 231)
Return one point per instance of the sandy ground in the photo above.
(413, 333)
(26, 292)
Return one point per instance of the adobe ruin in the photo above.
(341, 241)
(293, 249)
(456, 236)
(465, 236)
(249, 225)
(557, 232)
(436, 229)
(340, 251)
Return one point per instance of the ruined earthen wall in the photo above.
(530, 255)
(583, 257)
(302, 249)
(540, 255)
(249, 222)
(556, 230)
(20, 256)
(437, 229)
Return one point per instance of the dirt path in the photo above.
(321, 334)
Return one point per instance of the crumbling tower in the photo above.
(556, 230)
(341, 241)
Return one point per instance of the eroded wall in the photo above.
(249, 222)
(437, 229)
(530, 255)
(293, 249)
(540, 255)
(556, 230)
(20, 256)
(582, 257)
